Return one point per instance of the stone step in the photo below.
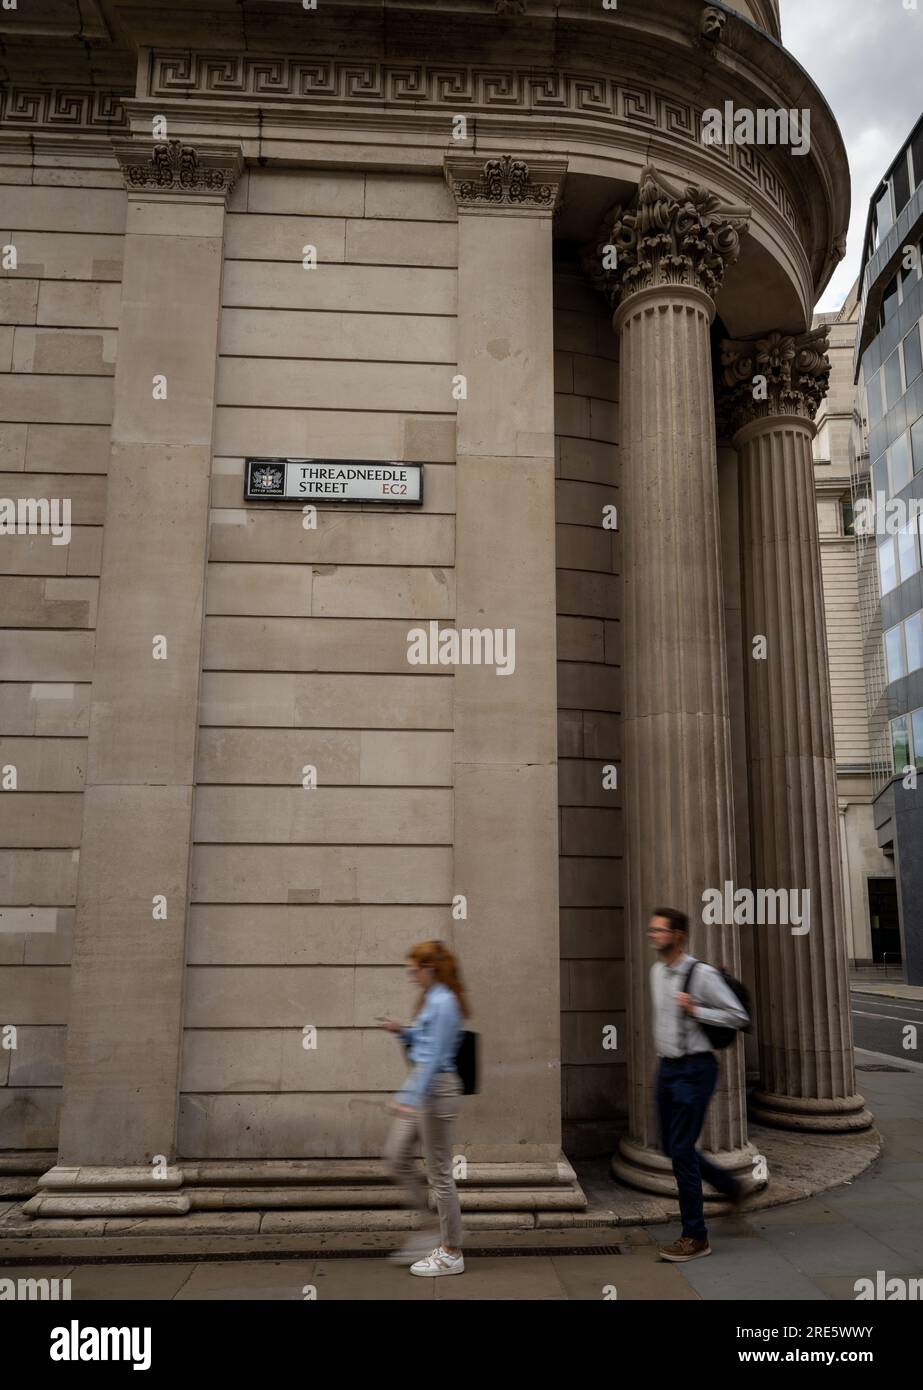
(347, 1171)
(36, 1161)
(470, 1199)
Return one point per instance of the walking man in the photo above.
(688, 1071)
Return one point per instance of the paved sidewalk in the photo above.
(813, 1250)
(890, 989)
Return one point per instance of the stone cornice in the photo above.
(176, 168)
(230, 87)
(780, 374)
(670, 234)
(505, 183)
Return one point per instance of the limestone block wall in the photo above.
(594, 1078)
(844, 638)
(304, 902)
(59, 312)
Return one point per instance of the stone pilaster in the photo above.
(660, 263)
(506, 842)
(769, 393)
(118, 1122)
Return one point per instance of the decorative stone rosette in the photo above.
(780, 374)
(670, 234)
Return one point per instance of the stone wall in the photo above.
(589, 697)
(59, 311)
(304, 902)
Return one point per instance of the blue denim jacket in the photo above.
(433, 1040)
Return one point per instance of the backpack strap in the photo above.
(685, 990)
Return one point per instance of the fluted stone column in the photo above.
(771, 389)
(671, 249)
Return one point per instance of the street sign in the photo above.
(332, 480)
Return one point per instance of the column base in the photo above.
(103, 1191)
(810, 1114)
(652, 1171)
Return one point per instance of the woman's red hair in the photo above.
(445, 969)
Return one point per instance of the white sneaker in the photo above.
(419, 1245)
(440, 1262)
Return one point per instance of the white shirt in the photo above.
(676, 1033)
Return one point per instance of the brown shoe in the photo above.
(686, 1248)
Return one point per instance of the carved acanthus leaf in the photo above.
(780, 374)
(670, 234)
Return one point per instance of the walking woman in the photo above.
(428, 1105)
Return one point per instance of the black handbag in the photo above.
(466, 1061)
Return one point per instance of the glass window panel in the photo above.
(913, 643)
(889, 301)
(900, 742)
(894, 653)
(899, 454)
(908, 550)
(916, 444)
(873, 395)
(880, 478)
(887, 566)
(883, 211)
(849, 518)
(916, 720)
(916, 152)
(913, 359)
(900, 180)
(892, 373)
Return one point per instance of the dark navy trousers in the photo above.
(684, 1088)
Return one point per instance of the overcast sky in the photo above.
(866, 56)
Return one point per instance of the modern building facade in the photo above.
(888, 474)
(486, 240)
(869, 888)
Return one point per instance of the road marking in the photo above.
(857, 1013)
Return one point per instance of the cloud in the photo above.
(864, 55)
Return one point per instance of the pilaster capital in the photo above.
(781, 374)
(669, 234)
(177, 169)
(505, 184)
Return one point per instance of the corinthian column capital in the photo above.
(781, 374)
(670, 234)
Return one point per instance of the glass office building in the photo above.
(888, 477)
